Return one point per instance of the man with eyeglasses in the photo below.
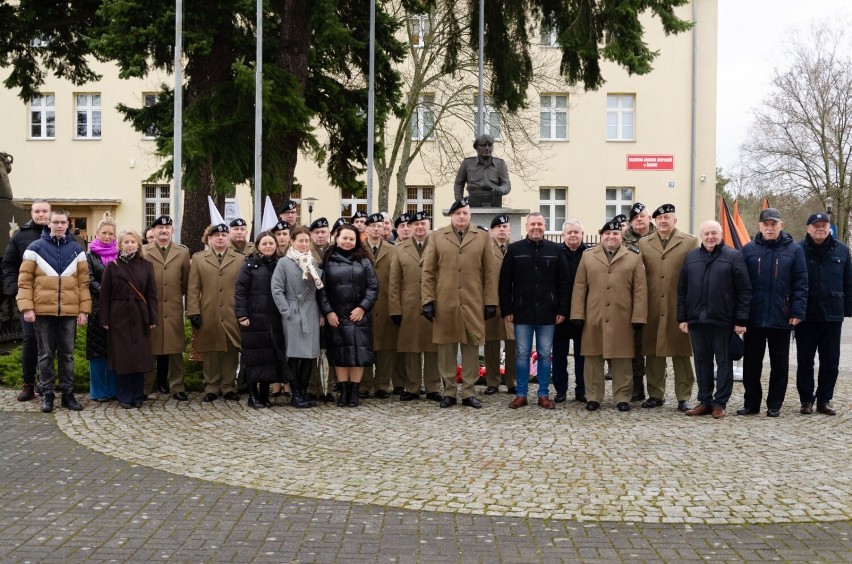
(486, 176)
(53, 293)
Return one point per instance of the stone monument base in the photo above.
(483, 217)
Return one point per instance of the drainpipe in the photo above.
(693, 140)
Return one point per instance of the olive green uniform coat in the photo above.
(210, 294)
(172, 281)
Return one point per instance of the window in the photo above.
(88, 116)
(492, 119)
(350, 203)
(554, 117)
(553, 207)
(43, 117)
(420, 198)
(618, 200)
(423, 118)
(619, 117)
(549, 36)
(156, 201)
(150, 99)
(419, 30)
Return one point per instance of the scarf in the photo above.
(108, 252)
(306, 262)
(126, 257)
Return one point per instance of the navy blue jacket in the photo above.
(779, 281)
(829, 280)
(714, 288)
(14, 255)
(534, 282)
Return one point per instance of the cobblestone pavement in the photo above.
(409, 482)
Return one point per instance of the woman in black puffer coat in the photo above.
(261, 331)
(349, 292)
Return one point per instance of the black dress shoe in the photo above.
(623, 406)
(125, 405)
(434, 396)
(448, 402)
(561, 397)
(592, 405)
(581, 399)
(397, 390)
(472, 402)
(747, 411)
(825, 408)
(408, 396)
(490, 390)
(232, 396)
(209, 397)
(637, 397)
(163, 388)
(651, 403)
(382, 394)
(363, 394)
(773, 412)
(180, 396)
(512, 391)
(683, 405)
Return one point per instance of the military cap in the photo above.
(375, 218)
(419, 216)
(163, 220)
(341, 221)
(238, 222)
(458, 204)
(289, 205)
(610, 225)
(403, 218)
(318, 223)
(356, 215)
(500, 220)
(665, 208)
(620, 219)
(637, 208)
(219, 228)
(280, 226)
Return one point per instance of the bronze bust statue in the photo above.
(486, 176)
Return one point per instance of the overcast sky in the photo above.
(752, 37)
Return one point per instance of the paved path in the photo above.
(412, 483)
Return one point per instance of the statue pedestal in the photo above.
(483, 217)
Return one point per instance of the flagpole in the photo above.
(177, 139)
(258, 122)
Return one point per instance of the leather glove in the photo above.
(637, 326)
(429, 311)
(195, 320)
(578, 323)
(490, 311)
(397, 320)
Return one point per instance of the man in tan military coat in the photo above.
(210, 308)
(610, 300)
(414, 332)
(168, 341)
(379, 379)
(459, 292)
(663, 253)
(498, 330)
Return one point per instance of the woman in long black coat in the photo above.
(350, 289)
(261, 332)
(129, 312)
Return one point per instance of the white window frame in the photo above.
(551, 110)
(423, 118)
(494, 125)
(419, 30)
(621, 203)
(553, 205)
(90, 108)
(420, 198)
(149, 99)
(160, 198)
(349, 204)
(45, 106)
(620, 116)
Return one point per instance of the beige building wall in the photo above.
(93, 176)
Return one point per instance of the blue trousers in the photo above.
(543, 346)
(813, 337)
(101, 379)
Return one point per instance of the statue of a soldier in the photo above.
(486, 176)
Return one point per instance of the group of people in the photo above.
(394, 309)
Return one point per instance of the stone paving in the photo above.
(193, 481)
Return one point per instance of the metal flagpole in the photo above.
(258, 122)
(177, 141)
(481, 67)
(371, 107)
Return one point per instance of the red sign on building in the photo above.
(650, 162)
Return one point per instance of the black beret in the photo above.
(289, 205)
(610, 225)
(341, 221)
(318, 223)
(280, 226)
(419, 216)
(403, 218)
(637, 208)
(500, 220)
(219, 228)
(665, 208)
(163, 220)
(620, 218)
(238, 222)
(458, 204)
(375, 218)
(356, 215)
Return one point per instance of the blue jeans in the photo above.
(56, 338)
(544, 348)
